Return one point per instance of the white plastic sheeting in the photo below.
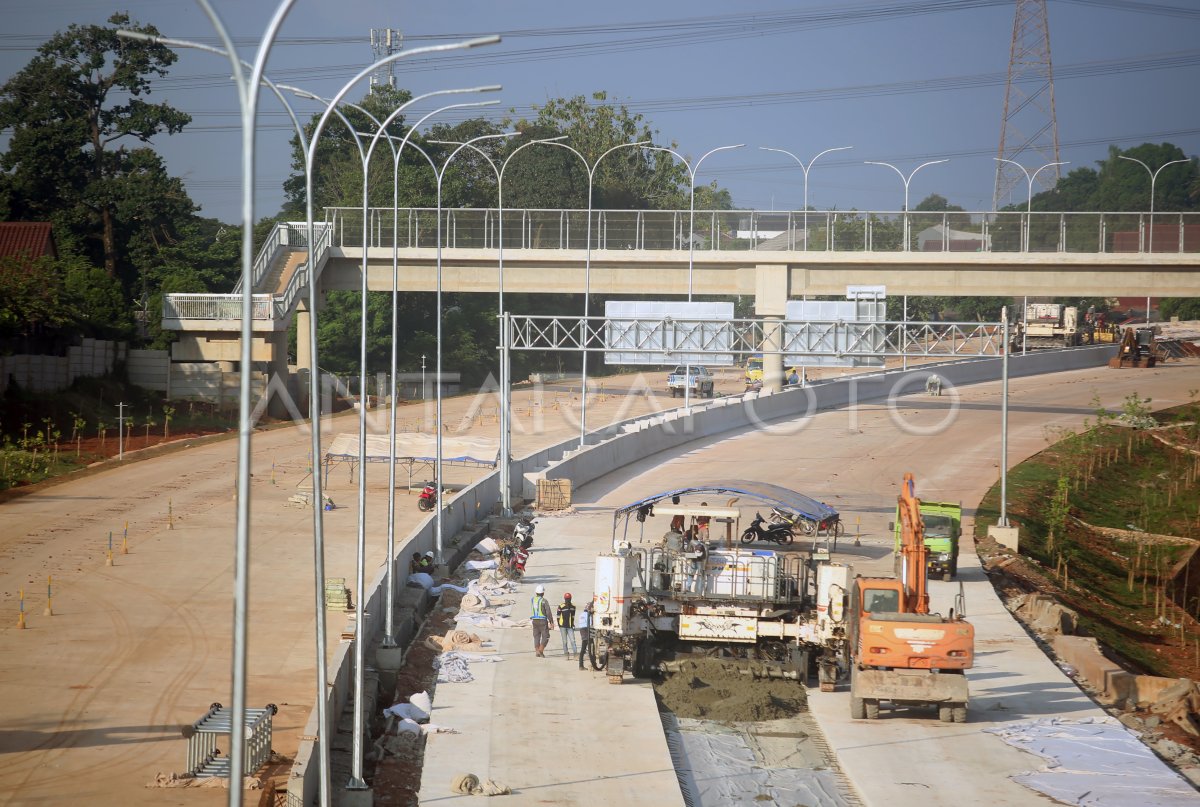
(416, 446)
(453, 666)
(425, 581)
(1095, 762)
(717, 766)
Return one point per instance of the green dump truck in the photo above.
(943, 527)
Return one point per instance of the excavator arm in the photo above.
(913, 552)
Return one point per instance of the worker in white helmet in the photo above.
(539, 618)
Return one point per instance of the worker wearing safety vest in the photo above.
(566, 625)
(539, 618)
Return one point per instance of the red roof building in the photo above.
(32, 239)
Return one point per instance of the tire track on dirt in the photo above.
(33, 759)
(190, 645)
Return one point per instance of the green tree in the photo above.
(630, 179)
(1182, 307)
(1057, 511)
(201, 255)
(98, 303)
(337, 169)
(32, 296)
(66, 109)
(1125, 185)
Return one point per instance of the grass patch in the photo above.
(1082, 506)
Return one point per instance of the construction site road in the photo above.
(94, 695)
(854, 460)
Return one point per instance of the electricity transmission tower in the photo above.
(385, 42)
(1029, 130)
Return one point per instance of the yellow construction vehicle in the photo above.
(1137, 348)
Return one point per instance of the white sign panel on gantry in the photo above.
(852, 337)
(667, 332)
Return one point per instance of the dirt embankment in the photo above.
(711, 689)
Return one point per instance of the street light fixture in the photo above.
(1029, 179)
(806, 169)
(906, 180)
(365, 157)
(1153, 179)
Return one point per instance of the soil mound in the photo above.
(717, 690)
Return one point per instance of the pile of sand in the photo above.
(717, 690)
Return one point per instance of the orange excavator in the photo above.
(900, 652)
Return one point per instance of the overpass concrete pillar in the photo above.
(771, 291)
(772, 358)
(279, 388)
(303, 348)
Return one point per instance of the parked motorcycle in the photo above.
(512, 561)
(428, 497)
(523, 532)
(793, 520)
(774, 533)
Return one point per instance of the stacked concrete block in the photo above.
(149, 369)
(36, 373)
(196, 381)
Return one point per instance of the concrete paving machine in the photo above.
(1051, 325)
(900, 652)
(779, 613)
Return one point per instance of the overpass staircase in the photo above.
(280, 277)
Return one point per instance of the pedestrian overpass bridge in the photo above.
(772, 256)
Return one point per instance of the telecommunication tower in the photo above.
(1029, 130)
(385, 42)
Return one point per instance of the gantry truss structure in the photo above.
(728, 341)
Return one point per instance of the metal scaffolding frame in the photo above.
(675, 339)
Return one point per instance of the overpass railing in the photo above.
(765, 231)
(298, 282)
(267, 306)
(215, 306)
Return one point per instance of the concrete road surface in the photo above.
(522, 724)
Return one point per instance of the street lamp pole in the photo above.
(247, 79)
(247, 82)
(1153, 179)
(806, 169)
(314, 417)
(388, 639)
(1029, 179)
(505, 382)
(441, 173)
(906, 180)
(356, 779)
(692, 171)
(1003, 522)
(587, 270)
(691, 209)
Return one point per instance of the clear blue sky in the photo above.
(884, 76)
